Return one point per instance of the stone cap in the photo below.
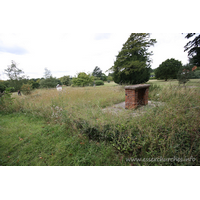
(139, 86)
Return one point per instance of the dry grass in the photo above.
(169, 130)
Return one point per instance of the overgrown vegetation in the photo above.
(99, 82)
(26, 89)
(81, 132)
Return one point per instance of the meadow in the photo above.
(72, 128)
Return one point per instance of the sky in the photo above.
(71, 53)
(68, 37)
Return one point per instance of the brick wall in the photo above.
(136, 95)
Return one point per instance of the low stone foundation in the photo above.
(136, 95)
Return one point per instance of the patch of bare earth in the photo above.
(115, 109)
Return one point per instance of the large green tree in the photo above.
(168, 69)
(97, 73)
(132, 65)
(193, 48)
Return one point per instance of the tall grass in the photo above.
(169, 130)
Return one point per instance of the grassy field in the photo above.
(71, 127)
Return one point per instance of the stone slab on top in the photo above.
(139, 86)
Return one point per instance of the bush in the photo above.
(99, 82)
(83, 80)
(184, 74)
(65, 80)
(26, 89)
(6, 100)
(2, 87)
(49, 82)
(35, 85)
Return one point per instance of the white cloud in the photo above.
(169, 45)
(68, 54)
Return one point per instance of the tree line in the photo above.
(17, 81)
(132, 66)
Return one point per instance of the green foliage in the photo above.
(31, 141)
(184, 74)
(49, 82)
(168, 69)
(26, 89)
(84, 133)
(6, 83)
(6, 101)
(35, 85)
(65, 80)
(99, 82)
(103, 77)
(2, 87)
(193, 48)
(197, 74)
(83, 79)
(97, 72)
(14, 74)
(132, 65)
(109, 78)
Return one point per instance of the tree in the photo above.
(103, 77)
(109, 78)
(14, 74)
(2, 87)
(97, 72)
(83, 79)
(33, 83)
(49, 82)
(168, 69)
(132, 65)
(26, 89)
(184, 74)
(193, 48)
(65, 80)
(47, 73)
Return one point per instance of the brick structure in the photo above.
(136, 95)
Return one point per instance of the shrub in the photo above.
(99, 82)
(184, 74)
(26, 89)
(83, 80)
(2, 87)
(35, 85)
(6, 100)
(49, 82)
(65, 80)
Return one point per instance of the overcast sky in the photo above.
(68, 37)
(70, 53)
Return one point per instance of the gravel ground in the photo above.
(141, 109)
